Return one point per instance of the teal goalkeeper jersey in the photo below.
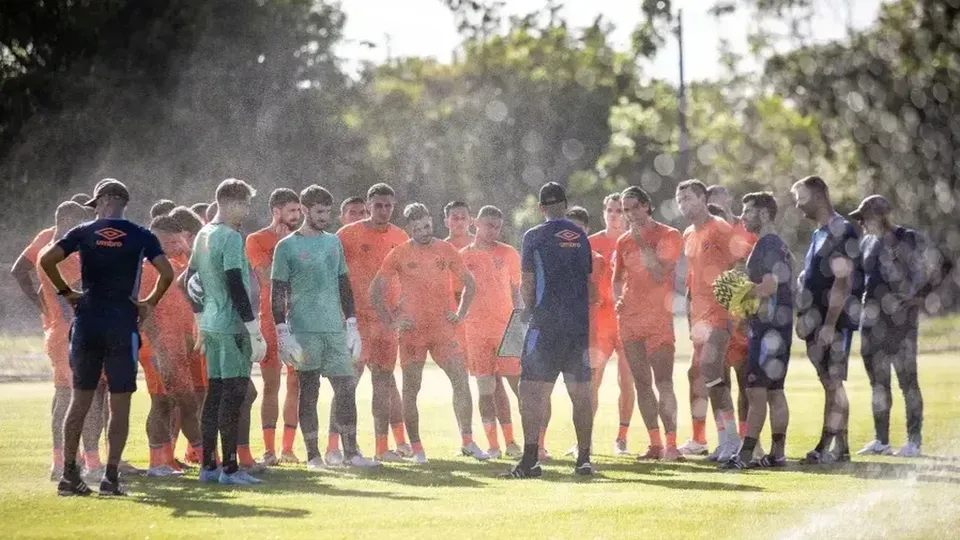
(312, 265)
(216, 249)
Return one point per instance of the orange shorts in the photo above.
(379, 344)
(178, 376)
(738, 350)
(439, 341)
(56, 345)
(603, 343)
(653, 339)
(482, 359)
(150, 373)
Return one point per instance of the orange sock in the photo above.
(92, 459)
(244, 457)
(381, 445)
(156, 455)
(417, 447)
(742, 429)
(58, 458)
(270, 439)
(508, 434)
(289, 434)
(333, 442)
(622, 432)
(466, 439)
(655, 438)
(491, 431)
(543, 439)
(193, 454)
(399, 433)
(700, 430)
(671, 439)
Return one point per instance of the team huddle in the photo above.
(299, 298)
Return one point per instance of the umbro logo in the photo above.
(111, 237)
(567, 235)
(365, 247)
(497, 263)
(412, 265)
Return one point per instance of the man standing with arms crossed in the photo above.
(229, 331)
(285, 214)
(608, 340)
(770, 332)
(894, 272)
(823, 318)
(643, 279)
(555, 274)
(105, 334)
(365, 246)
(711, 247)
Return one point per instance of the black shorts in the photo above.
(547, 355)
(97, 348)
(768, 357)
(831, 362)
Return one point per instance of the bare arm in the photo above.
(162, 264)
(842, 270)
(767, 286)
(466, 299)
(21, 272)
(49, 259)
(379, 301)
(528, 290)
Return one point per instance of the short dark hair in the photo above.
(162, 207)
(578, 213)
(166, 223)
(415, 211)
(80, 198)
(234, 190)
(693, 185)
(814, 184)
(200, 209)
(716, 210)
(314, 195)
(716, 189)
(380, 189)
(638, 193)
(70, 212)
(212, 211)
(281, 197)
(453, 205)
(187, 219)
(762, 200)
(611, 197)
(490, 211)
(356, 199)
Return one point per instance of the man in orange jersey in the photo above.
(643, 278)
(200, 209)
(162, 208)
(711, 247)
(366, 244)
(718, 196)
(285, 212)
(456, 217)
(352, 210)
(57, 316)
(495, 267)
(170, 334)
(608, 340)
(424, 266)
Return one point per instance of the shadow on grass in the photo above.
(927, 471)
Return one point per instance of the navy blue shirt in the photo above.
(557, 253)
(770, 256)
(892, 264)
(111, 258)
(838, 239)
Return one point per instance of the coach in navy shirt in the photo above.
(894, 274)
(104, 336)
(826, 313)
(556, 263)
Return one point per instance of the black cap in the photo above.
(552, 193)
(108, 187)
(874, 205)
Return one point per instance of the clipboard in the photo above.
(514, 337)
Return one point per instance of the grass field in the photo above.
(453, 497)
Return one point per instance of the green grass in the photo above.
(454, 497)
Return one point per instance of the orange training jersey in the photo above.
(173, 314)
(365, 248)
(596, 277)
(424, 274)
(647, 303)
(459, 243)
(56, 314)
(496, 272)
(605, 245)
(711, 249)
(259, 248)
(32, 251)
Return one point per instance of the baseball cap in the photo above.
(875, 205)
(109, 187)
(552, 193)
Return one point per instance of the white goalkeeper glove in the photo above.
(258, 346)
(353, 338)
(291, 353)
(198, 344)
